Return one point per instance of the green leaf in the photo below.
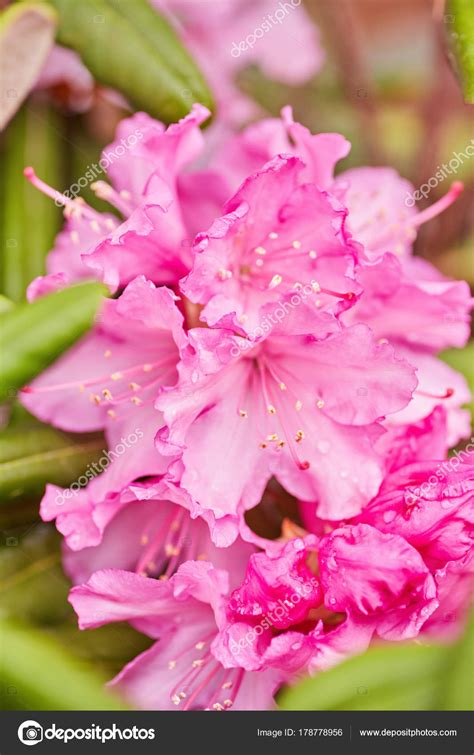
(388, 677)
(33, 587)
(458, 691)
(39, 673)
(26, 37)
(130, 47)
(34, 335)
(30, 220)
(110, 647)
(459, 20)
(47, 457)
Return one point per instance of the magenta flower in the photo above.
(431, 505)
(282, 616)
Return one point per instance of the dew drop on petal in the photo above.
(389, 516)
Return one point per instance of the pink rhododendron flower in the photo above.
(295, 407)
(110, 379)
(275, 237)
(145, 528)
(151, 239)
(245, 153)
(180, 670)
(419, 314)
(430, 504)
(282, 615)
(421, 441)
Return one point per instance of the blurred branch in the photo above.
(341, 27)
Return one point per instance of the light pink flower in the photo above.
(246, 152)
(180, 670)
(302, 409)
(276, 237)
(138, 529)
(420, 314)
(153, 239)
(111, 378)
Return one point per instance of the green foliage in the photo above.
(30, 458)
(130, 47)
(30, 220)
(459, 20)
(34, 335)
(393, 677)
(458, 692)
(33, 597)
(37, 672)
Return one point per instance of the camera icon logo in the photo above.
(30, 732)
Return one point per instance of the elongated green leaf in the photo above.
(46, 676)
(459, 19)
(130, 47)
(34, 335)
(385, 678)
(21, 442)
(26, 37)
(27, 476)
(30, 219)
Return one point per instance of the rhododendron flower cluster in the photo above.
(269, 328)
